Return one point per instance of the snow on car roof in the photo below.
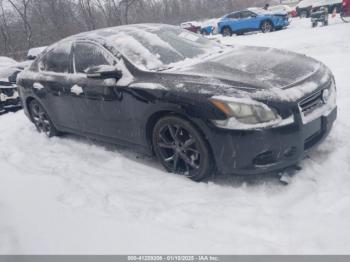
(145, 44)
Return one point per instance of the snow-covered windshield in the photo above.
(154, 48)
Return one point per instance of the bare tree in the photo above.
(4, 29)
(87, 10)
(42, 22)
(22, 8)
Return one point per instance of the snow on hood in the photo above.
(7, 61)
(264, 73)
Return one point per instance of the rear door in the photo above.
(52, 85)
(233, 20)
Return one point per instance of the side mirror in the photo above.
(104, 72)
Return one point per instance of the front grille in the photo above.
(311, 102)
(8, 91)
(11, 102)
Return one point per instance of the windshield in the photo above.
(157, 47)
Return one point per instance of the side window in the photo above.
(234, 16)
(57, 60)
(89, 55)
(246, 14)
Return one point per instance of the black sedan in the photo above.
(195, 104)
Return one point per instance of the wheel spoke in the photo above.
(165, 145)
(188, 160)
(176, 160)
(172, 132)
(192, 150)
(189, 142)
(169, 158)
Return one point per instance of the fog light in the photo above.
(265, 158)
(325, 96)
(290, 151)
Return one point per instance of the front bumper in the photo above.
(282, 22)
(267, 150)
(9, 99)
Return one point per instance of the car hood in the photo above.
(256, 70)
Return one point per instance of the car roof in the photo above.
(110, 32)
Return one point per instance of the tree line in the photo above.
(31, 23)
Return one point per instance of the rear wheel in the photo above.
(41, 119)
(181, 148)
(266, 26)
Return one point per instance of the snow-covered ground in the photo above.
(71, 195)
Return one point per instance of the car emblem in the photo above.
(325, 96)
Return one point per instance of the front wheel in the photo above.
(226, 31)
(181, 148)
(41, 119)
(266, 27)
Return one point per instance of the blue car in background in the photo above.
(253, 19)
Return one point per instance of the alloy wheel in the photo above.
(41, 120)
(266, 27)
(181, 149)
(178, 149)
(226, 31)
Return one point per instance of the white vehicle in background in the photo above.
(283, 8)
(305, 7)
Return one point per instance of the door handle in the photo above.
(38, 86)
(78, 90)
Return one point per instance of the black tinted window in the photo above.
(87, 56)
(234, 16)
(57, 60)
(246, 14)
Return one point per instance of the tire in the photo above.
(181, 148)
(41, 119)
(266, 26)
(226, 31)
(314, 24)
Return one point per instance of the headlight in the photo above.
(244, 113)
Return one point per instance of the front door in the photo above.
(101, 111)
